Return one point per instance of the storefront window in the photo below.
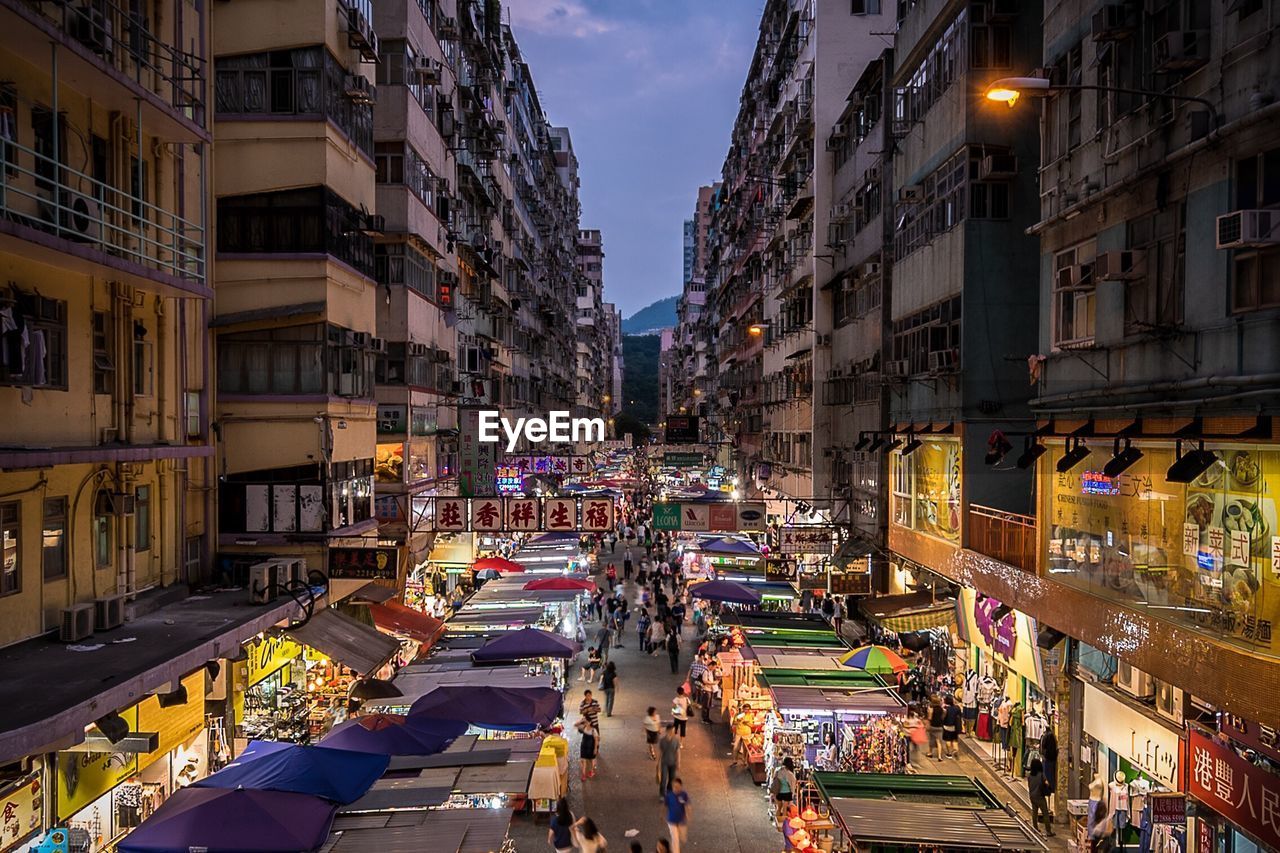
(1196, 553)
(926, 489)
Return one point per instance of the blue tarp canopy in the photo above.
(525, 644)
(393, 734)
(340, 775)
(491, 707)
(735, 547)
(217, 820)
(734, 593)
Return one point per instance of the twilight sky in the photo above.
(649, 90)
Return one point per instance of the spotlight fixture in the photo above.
(1049, 637)
(1031, 451)
(894, 444)
(173, 699)
(1000, 612)
(113, 727)
(1122, 460)
(997, 448)
(1191, 465)
(913, 444)
(213, 667)
(863, 440)
(876, 444)
(1076, 453)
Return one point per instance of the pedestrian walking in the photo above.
(784, 786)
(838, 618)
(589, 708)
(588, 748)
(560, 833)
(611, 574)
(652, 726)
(951, 729)
(742, 727)
(677, 801)
(680, 711)
(604, 635)
(1038, 788)
(627, 566)
(643, 624)
(668, 759)
(609, 684)
(673, 649)
(933, 727)
(657, 634)
(588, 837)
(592, 666)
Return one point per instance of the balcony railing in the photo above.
(1007, 536)
(40, 193)
(124, 41)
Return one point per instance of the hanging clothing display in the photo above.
(879, 746)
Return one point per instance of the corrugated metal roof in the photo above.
(411, 793)
(894, 822)
(440, 831)
(347, 641)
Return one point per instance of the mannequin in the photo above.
(969, 700)
(1098, 822)
(1118, 805)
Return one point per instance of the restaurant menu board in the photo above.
(1205, 546)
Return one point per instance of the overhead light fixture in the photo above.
(894, 444)
(174, 698)
(113, 727)
(1191, 465)
(213, 668)
(876, 444)
(913, 444)
(1048, 637)
(1076, 453)
(1122, 459)
(1031, 451)
(863, 441)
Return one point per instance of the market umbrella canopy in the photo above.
(488, 574)
(875, 659)
(524, 644)
(560, 583)
(221, 820)
(395, 734)
(491, 706)
(729, 545)
(501, 564)
(734, 593)
(340, 775)
(374, 688)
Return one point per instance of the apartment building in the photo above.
(595, 347)
(691, 359)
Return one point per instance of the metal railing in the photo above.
(123, 40)
(40, 193)
(1007, 536)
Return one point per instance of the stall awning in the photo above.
(932, 825)
(372, 593)
(407, 621)
(460, 552)
(461, 830)
(350, 643)
(914, 611)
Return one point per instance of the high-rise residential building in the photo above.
(595, 348)
(685, 372)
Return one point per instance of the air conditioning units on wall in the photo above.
(1119, 265)
(1170, 702)
(108, 612)
(1244, 228)
(1133, 681)
(77, 623)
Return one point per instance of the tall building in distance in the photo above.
(684, 372)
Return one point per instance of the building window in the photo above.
(37, 357)
(143, 369)
(1074, 295)
(308, 220)
(104, 366)
(1063, 111)
(397, 61)
(142, 519)
(400, 263)
(398, 163)
(10, 548)
(929, 339)
(990, 44)
(1155, 300)
(1257, 280)
(54, 539)
(103, 530)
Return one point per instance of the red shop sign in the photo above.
(1246, 795)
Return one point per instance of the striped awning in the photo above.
(914, 611)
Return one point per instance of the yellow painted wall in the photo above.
(249, 285)
(250, 27)
(260, 156)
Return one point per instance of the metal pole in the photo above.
(57, 161)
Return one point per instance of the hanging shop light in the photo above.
(864, 439)
(913, 444)
(1076, 453)
(1031, 451)
(894, 444)
(1191, 465)
(1122, 459)
(113, 727)
(876, 444)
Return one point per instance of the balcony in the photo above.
(114, 59)
(1006, 536)
(41, 199)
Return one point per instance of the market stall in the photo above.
(869, 812)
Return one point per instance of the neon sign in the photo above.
(1097, 483)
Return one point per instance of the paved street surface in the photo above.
(729, 812)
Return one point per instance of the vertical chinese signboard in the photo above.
(1246, 795)
(477, 459)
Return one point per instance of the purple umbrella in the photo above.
(235, 820)
(394, 734)
(340, 775)
(523, 644)
(490, 706)
(734, 593)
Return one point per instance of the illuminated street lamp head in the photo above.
(1008, 89)
(755, 329)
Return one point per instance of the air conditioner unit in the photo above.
(77, 623)
(998, 167)
(1075, 275)
(1114, 21)
(1118, 265)
(122, 503)
(264, 581)
(447, 28)
(78, 216)
(428, 70)
(1170, 702)
(358, 89)
(911, 194)
(378, 344)
(1133, 681)
(416, 349)
(900, 369)
(291, 570)
(108, 612)
(1181, 50)
(91, 27)
(1244, 228)
(824, 340)
(840, 211)
(943, 359)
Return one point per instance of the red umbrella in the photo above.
(559, 583)
(498, 564)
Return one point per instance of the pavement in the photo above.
(728, 812)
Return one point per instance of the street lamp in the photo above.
(1008, 90)
(758, 328)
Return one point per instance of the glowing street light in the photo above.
(1009, 90)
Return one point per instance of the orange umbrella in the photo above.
(498, 564)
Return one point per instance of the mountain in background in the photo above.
(652, 318)
(640, 377)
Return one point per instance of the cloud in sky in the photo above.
(649, 90)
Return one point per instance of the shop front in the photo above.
(102, 796)
(1198, 553)
(1137, 758)
(274, 703)
(1000, 673)
(1235, 805)
(21, 810)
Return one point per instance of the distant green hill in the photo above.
(652, 318)
(640, 376)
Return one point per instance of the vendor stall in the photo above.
(869, 812)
